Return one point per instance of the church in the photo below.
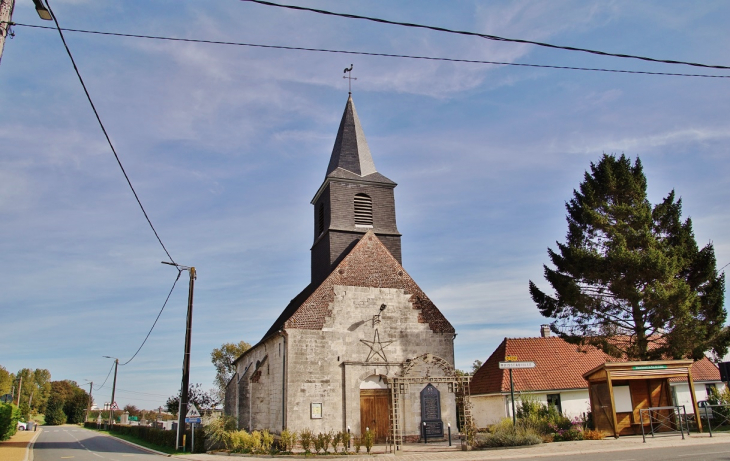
(362, 346)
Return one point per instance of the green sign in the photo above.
(649, 367)
(133, 418)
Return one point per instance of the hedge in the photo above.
(158, 437)
(9, 417)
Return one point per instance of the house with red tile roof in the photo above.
(557, 378)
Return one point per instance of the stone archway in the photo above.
(429, 369)
(375, 406)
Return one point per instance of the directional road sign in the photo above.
(515, 365)
(194, 420)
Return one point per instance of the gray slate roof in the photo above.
(351, 152)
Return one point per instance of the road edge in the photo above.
(128, 443)
(29, 448)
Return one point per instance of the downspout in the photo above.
(283, 381)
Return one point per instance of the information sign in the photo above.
(194, 420)
(514, 365)
(511, 358)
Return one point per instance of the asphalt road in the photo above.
(713, 452)
(73, 443)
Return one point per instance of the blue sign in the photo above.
(194, 420)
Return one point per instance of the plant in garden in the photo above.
(288, 439)
(368, 439)
(305, 439)
(240, 441)
(267, 440)
(345, 440)
(357, 441)
(506, 434)
(336, 439)
(256, 441)
(218, 432)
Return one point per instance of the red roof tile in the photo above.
(559, 365)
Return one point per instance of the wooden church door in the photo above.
(375, 412)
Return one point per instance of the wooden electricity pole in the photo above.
(6, 16)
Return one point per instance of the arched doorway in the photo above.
(375, 406)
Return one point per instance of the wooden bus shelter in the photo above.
(620, 390)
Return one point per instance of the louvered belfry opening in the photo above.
(363, 210)
(320, 219)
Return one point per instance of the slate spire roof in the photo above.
(351, 151)
(351, 158)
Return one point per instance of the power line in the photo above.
(486, 36)
(103, 129)
(142, 393)
(105, 379)
(366, 53)
(158, 318)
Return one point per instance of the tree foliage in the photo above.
(197, 396)
(223, 358)
(6, 381)
(630, 278)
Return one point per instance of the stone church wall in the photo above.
(328, 366)
(260, 385)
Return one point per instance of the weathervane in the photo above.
(350, 78)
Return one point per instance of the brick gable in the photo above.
(368, 264)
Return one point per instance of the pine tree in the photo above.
(630, 278)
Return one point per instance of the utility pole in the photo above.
(6, 17)
(183, 409)
(114, 389)
(20, 388)
(88, 409)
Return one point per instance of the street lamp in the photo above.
(114, 389)
(42, 10)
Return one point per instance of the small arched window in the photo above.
(363, 210)
(320, 219)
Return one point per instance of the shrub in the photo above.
(345, 440)
(288, 440)
(305, 438)
(336, 439)
(240, 441)
(368, 439)
(256, 441)
(54, 412)
(9, 417)
(218, 432)
(505, 434)
(267, 440)
(357, 441)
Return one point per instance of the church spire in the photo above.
(353, 199)
(351, 151)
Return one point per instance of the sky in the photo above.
(226, 146)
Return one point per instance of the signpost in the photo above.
(510, 365)
(193, 417)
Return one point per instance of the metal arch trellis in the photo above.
(458, 385)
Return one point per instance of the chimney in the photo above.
(545, 331)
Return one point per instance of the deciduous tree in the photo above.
(222, 359)
(630, 278)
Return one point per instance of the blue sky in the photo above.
(226, 146)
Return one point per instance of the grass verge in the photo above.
(142, 443)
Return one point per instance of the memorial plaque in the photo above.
(431, 421)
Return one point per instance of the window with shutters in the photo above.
(363, 211)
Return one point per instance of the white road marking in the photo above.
(694, 455)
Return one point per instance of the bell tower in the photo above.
(353, 199)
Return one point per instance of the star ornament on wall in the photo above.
(376, 347)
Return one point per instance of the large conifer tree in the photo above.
(630, 278)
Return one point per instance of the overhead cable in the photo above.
(158, 318)
(366, 53)
(96, 388)
(103, 129)
(486, 36)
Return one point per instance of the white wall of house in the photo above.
(682, 395)
(490, 409)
